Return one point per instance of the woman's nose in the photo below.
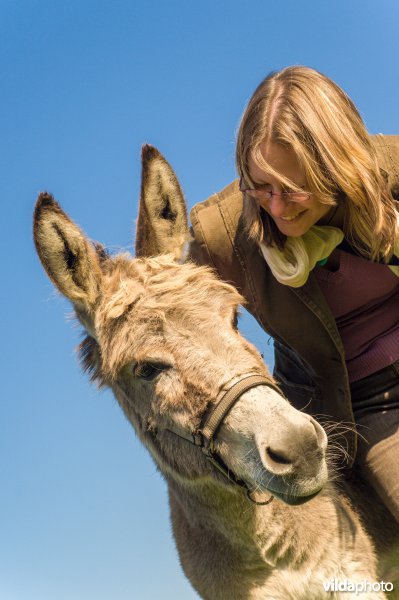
(276, 205)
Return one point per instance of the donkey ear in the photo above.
(66, 254)
(162, 225)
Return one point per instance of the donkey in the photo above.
(253, 513)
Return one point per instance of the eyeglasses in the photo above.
(261, 193)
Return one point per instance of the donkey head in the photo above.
(163, 335)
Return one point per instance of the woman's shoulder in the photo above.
(387, 149)
(218, 213)
(230, 194)
(214, 226)
(382, 140)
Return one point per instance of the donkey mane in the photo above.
(127, 282)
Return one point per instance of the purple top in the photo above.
(364, 298)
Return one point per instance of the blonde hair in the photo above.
(306, 111)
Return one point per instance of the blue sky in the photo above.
(83, 512)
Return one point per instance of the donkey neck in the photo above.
(226, 514)
(214, 525)
(207, 505)
(270, 536)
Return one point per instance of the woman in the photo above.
(309, 237)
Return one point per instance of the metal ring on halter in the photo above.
(249, 492)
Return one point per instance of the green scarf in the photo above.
(301, 254)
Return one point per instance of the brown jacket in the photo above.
(309, 355)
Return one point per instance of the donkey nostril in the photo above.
(277, 458)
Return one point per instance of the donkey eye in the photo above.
(147, 371)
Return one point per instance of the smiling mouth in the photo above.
(293, 218)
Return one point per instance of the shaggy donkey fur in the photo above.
(162, 335)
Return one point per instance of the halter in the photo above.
(204, 436)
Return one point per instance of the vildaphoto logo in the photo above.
(359, 587)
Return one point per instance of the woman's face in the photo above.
(292, 218)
